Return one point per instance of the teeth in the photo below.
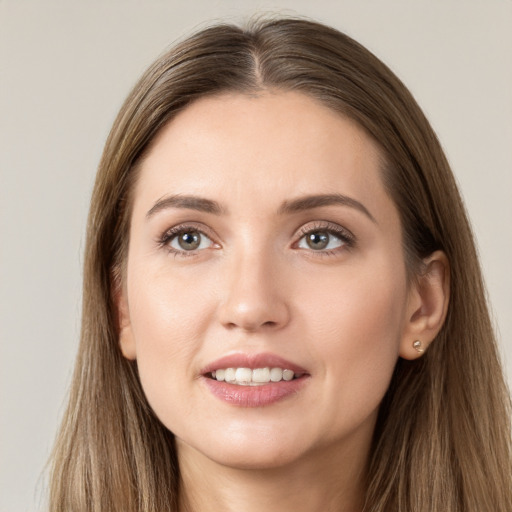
(230, 375)
(243, 375)
(276, 374)
(256, 377)
(287, 375)
(261, 375)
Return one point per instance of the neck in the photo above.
(321, 481)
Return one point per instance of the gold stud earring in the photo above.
(417, 346)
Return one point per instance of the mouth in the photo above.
(253, 377)
(254, 380)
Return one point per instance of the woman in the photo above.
(283, 307)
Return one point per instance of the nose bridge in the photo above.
(254, 297)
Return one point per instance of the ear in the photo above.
(124, 328)
(427, 306)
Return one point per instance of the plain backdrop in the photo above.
(65, 68)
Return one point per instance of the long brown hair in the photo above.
(442, 440)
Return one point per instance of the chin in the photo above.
(258, 459)
(247, 450)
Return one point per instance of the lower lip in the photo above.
(255, 396)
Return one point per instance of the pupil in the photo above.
(318, 240)
(190, 240)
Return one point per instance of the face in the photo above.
(265, 297)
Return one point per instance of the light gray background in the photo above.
(65, 68)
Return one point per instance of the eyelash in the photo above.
(167, 237)
(346, 237)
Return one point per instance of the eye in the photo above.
(185, 239)
(325, 238)
(320, 240)
(189, 241)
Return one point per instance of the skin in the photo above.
(344, 313)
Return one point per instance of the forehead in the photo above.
(262, 147)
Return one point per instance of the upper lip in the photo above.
(261, 360)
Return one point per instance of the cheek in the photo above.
(363, 320)
(167, 316)
(357, 335)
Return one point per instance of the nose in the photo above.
(256, 296)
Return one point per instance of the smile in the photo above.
(253, 377)
(254, 380)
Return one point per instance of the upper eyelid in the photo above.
(326, 226)
(197, 226)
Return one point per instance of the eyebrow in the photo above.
(317, 201)
(300, 204)
(200, 204)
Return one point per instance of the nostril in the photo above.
(252, 326)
